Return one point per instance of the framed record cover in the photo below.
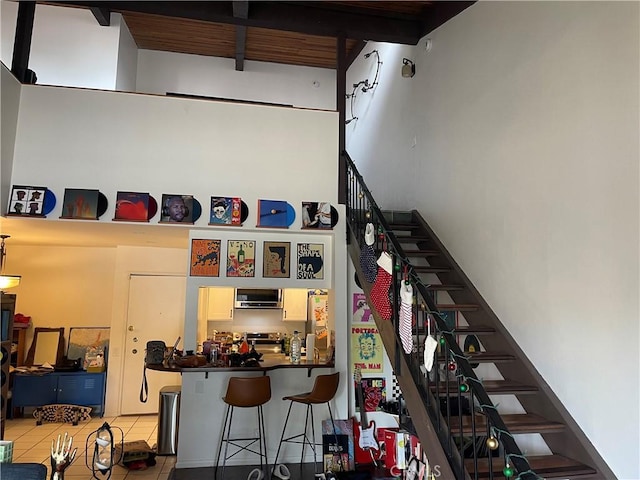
(81, 204)
(276, 259)
(27, 201)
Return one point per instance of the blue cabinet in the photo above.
(74, 388)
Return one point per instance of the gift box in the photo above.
(6, 451)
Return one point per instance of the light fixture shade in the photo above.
(9, 281)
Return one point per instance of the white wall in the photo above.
(9, 105)
(68, 46)
(162, 72)
(526, 165)
(72, 138)
(127, 57)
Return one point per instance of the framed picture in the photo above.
(317, 215)
(80, 204)
(275, 213)
(276, 257)
(132, 206)
(27, 201)
(241, 258)
(310, 261)
(176, 208)
(226, 211)
(205, 258)
(361, 310)
(88, 343)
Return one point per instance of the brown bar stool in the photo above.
(245, 392)
(324, 389)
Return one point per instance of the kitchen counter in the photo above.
(268, 362)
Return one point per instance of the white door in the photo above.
(155, 312)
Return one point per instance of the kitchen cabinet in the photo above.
(294, 304)
(220, 303)
(73, 388)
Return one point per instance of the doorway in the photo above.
(155, 311)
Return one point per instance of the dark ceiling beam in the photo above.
(102, 15)
(22, 40)
(241, 10)
(300, 18)
(355, 51)
(438, 13)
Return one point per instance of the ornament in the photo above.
(381, 236)
(464, 388)
(407, 282)
(452, 366)
(508, 471)
(367, 214)
(492, 443)
(442, 341)
(396, 267)
(361, 195)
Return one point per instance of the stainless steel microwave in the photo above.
(258, 298)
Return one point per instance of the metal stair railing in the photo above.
(451, 370)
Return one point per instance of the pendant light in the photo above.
(6, 281)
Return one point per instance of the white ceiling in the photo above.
(88, 233)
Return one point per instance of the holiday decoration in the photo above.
(507, 471)
(404, 326)
(368, 256)
(464, 388)
(380, 290)
(492, 443)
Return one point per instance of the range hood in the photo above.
(258, 298)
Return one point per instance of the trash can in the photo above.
(168, 415)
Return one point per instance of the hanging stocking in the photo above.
(430, 345)
(404, 323)
(380, 290)
(368, 255)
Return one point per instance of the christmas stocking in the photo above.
(430, 345)
(368, 256)
(380, 290)
(404, 324)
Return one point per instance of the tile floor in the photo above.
(33, 444)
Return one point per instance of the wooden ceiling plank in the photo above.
(307, 19)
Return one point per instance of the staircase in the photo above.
(448, 304)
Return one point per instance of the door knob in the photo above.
(134, 351)
(131, 328)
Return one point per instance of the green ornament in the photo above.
(396, 267)
(464, 388)
(442, 341)
(507, 471)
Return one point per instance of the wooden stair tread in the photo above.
(403, 226)
(443, 287)
(428, 269)
(465, 330)
(422, 253)
(515, 423)
(485, 357)
(412, 238)
(458, 307)
(492, 387)
(546, 466)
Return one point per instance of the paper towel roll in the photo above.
(310, 345)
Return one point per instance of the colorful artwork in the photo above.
(177, 209)
(317, 215)
(276, 258)
(361, 310)
(205, 258)
(341, 456)
(374, 393)
(226, 211)
(366, 348)
(132, 206)
(88, 343)
(275, 213)
(80, 203)
(310, 261)
(241, 258)
(27, 201)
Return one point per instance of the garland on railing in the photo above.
(446, 336)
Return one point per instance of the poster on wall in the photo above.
(366, 348)
(27, 200)
(361, 310)
(310, 261)
(276, 257)
(89, 344)
(374, 394)
(241, 258)
(228, 211)
(205, 258)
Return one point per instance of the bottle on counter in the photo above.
(296, 348)
(244, 346)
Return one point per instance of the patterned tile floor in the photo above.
(33, 444)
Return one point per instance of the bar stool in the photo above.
(245, 392)
(324, 389)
